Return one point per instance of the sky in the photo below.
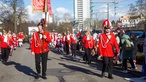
(60, 7)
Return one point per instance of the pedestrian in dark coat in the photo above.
(127, 55)
(134, 39)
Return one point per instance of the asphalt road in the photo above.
(20, 68)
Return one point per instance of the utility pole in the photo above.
(74, 21)
(107, 10)
(115, 7)
(91, 12)
(114, 2)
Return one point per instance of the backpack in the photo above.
(129, 45)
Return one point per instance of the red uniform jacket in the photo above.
(105, 47)
(58, 43)
(5, 44)
(14, 38)
(10, 40)
(88, 42)
(20, 36)
(63, 39)
(15, 43)
(73, 39)
(67, 38)
(0, 40)
(38, 45)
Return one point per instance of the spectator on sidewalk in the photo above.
(144, 65)
(127, 52)
(134, 39)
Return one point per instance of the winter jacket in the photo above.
(126, 54)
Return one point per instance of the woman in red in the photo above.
(5, 47)
(73, 44)
(106, 41)
(39, 48)
(20, 38)
(68, 43)
(88, 44)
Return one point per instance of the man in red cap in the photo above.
(106, 43)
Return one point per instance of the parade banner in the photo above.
(40, 6)
(49, 7)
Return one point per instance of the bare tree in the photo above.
(86, 24)
(141, 6)
(132, 9)
(67, 17)
(12, 14)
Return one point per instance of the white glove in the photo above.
(32, 53)
(99, 57)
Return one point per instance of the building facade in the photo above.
(82, 12)
(132, 21)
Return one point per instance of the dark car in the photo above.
(140, 35)
(96, 31)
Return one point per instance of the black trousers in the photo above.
(5, 54)
(41, 58)
(125, 63)
(67, 48)
(107, 65)
(64, 47)
(73, 49)
(87, 56)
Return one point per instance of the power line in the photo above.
(94, 2)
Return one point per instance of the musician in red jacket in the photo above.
(107, 40)
(5, 47)
(68, 43)
(64, 42)
(14, 38)
(40, 48)
(20, 38)
(88, 44)
(73, 44)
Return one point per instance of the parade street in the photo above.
(61, 68)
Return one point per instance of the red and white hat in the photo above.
(106, 23)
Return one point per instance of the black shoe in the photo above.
(4, 62)
(103, 75)
(89, 62)
(37, 77)
(44, 77)
(110, 77)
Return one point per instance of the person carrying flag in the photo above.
(40, 48)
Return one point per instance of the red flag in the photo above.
(49, 7)
(39, 6)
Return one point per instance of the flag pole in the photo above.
(45, 23)
(45, 10)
